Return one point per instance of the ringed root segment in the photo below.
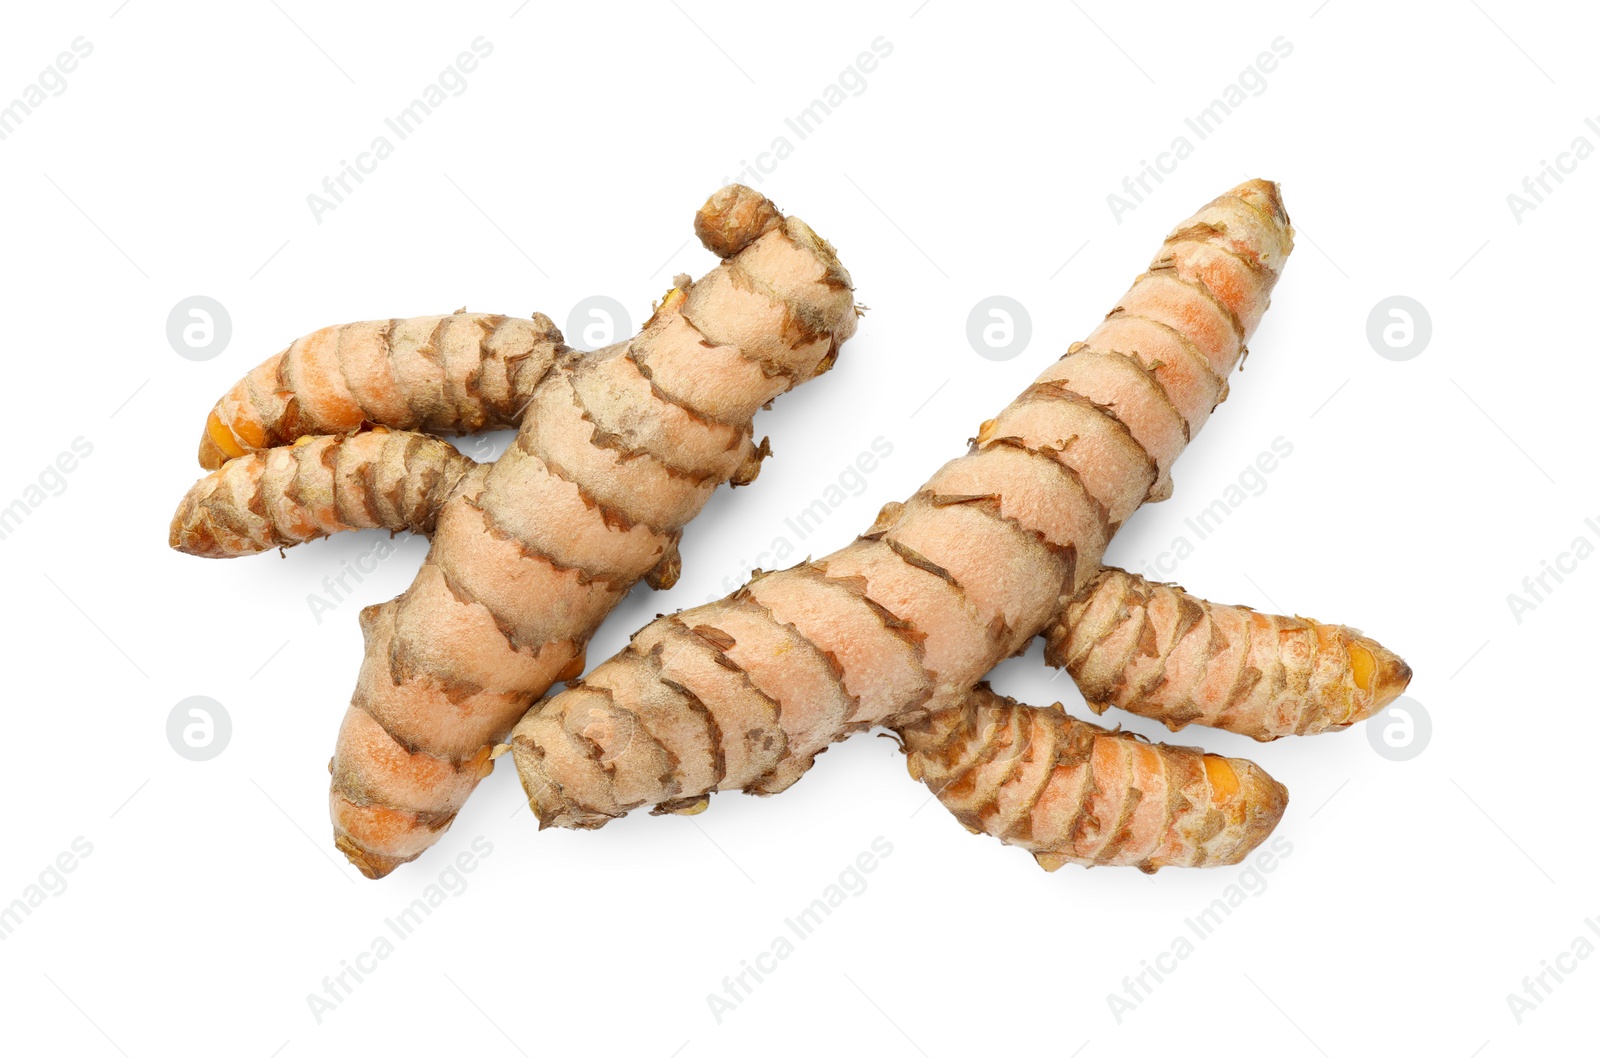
(1072, 792)
(316, 487)
(463, 373)
(898, 627)
(1155, 650)
(616, 451)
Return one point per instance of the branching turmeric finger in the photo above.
(318, 486)
(743, 693)
(1071, 792)
(455, 374)
(617, 450)
(1157, 651)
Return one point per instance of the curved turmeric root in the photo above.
(617, 451)
(743, 693)
(315, 487)
(1155, 650)
(456, 374)
(1070, 792)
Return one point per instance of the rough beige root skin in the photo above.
(617, 451)
(457, 374)
(317, 486)
(1071, 792)
(1157, 651)
(743, 693)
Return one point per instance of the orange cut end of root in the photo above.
(574, 667)
(1363, 666)
(1224, 780)
(222, 437)
(1380, 674)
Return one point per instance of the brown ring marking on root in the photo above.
(613, 580)
(1165, 398)
(985, 753)
(710, 643)
(741, 431)
(1205, 234)
(613, 517)
(467, 597)
(669, 778)
(742, 597)
(617, 445)
(1205, 291)
(1049, 455)
(793, 319)
(719, 758)
(1021, 831)
(1060, 391)
(745, 427)
(1082, 817)
(1245, 680)
(900, 629)
(1184, 341)
(1190, 614)
(991, 505)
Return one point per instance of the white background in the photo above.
(977, 160)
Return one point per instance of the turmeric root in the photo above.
(1071, 792)
(1154, 650)
(616, 451)
(899, 626)
(456, 374)
(318, 486)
